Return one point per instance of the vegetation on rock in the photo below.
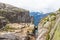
(47, 24)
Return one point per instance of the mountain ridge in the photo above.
(37, 16)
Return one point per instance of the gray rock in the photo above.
(14, 14)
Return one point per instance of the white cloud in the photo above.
(35, 5)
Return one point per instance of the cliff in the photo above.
(48, 25)
(14, 14)
(15, 23)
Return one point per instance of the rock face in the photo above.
(3, 21)
(47, 26)
(17, 23)
(24, 32)
(14, 14)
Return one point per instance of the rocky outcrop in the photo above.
(47, 26)
(14, 14)
(15, 23)
(20, 32)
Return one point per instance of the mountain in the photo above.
(37, 16)
(15, 22)
(14, 14)
(49, 27)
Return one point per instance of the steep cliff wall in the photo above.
(14, 14)
(47, 26)
(15, 23)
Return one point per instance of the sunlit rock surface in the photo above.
(48, 25)
(22, 32)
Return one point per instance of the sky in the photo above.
(35, 5)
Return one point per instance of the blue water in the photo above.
(37, 17)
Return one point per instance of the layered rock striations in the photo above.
(48, 25)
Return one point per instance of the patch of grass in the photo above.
(8, 28)
(52, 14)
(57, 33)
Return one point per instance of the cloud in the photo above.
(35, 5)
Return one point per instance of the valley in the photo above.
(20, 24)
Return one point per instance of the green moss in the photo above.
(52, 14)
(8, 28)
(46, 19)
(48, 37)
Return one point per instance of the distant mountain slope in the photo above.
(37, 16)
